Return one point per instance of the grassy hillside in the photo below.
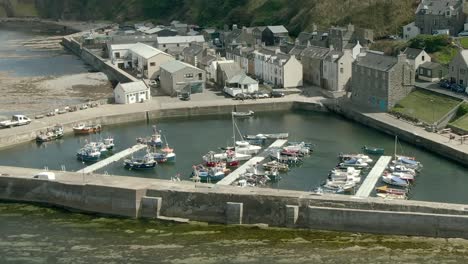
(384, 16)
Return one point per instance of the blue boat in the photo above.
(146, 162)
(208, 174)
(155, 140)
(88, 154)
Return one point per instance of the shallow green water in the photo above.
(30, 234)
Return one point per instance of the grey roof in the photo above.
(430, 65)
(305, 36)
(206, 60)
(279, 58)
(179, 39)
(175, 66)
(377, 61)
(334, 55)
(145, 51)
(438, 7)
(231, 69)
(277, 29)
(297, 51)
(193, 50)
(412, 53)
(133, 87)
(209, 30)
(315, 52)
(242, 78)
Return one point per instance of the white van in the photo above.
(45, 175)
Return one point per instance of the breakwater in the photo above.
(148, 198)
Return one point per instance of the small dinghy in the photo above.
(243, 114)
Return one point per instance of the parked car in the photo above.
(152, 83)
(184, 96)
(444, 83)
(16, 120)
(261, 95)
(463, 34)
(457, 88)
(276, 94)
(45, 175)
(240, 96)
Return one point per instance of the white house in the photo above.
(410, 31)
(416, 57)
(240, 83)
(337, 70)
(132, 92)
(147, 60)
(120, 55)
(278, 69)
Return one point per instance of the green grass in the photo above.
(464, 42)
(445, 55)
(461, 122)
(426, 106)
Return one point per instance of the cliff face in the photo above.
(384, 16)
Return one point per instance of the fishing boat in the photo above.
(339, 186)
(53, 133)
(212, 174)
(231, 159)
(285, 159)
(373, 150)
(155, 139)
(88, 154)
(395, 181)
(242, 146)
(275, 165)
(83, 128)
(243, 114)
(345, 157)
(300, 148)
(350, 174)
(109, 143)
(356, 163)
(386, 189)
(273, 174)
(210, 159)
(145, 162)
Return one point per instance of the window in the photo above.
(178, 45)
(200, 76)
(189, 75)
(152, 64)
(117, 55)
(462, 71)
(421, 71)
(408, 29)
(429, 72)
(422, 58)
(341, 70)
(164, 45)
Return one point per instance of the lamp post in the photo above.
(433, 113)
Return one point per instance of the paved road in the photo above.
(435, 88)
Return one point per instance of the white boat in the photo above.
(242, 143)
(365, 158)
(238, 156)
(392, 196)
(401, 168)
(356, 163)
(243, 114)
(394, 180)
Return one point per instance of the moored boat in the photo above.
(83, 128)
(243, 114)
(356, 163)
(50, 134)
(392, 196)
(395, 181)
(386, 189)
(155, 139)
(88, 154)
(344, 157)
(275, 165)
(145, 162)
(373, 150)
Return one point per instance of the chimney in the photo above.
(401, 57)
(234, 26)
(350, 27)
(331, 47)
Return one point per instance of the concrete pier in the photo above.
(373, 176)
(228, 180)
(101, 164)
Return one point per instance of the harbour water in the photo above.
(441, 180)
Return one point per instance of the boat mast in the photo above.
(396, 140)
(233, 130)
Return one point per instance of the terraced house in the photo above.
(458, 68)
(278, 69)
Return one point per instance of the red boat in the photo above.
(86, 129)
(386, 189)
(231, 160)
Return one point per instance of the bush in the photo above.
(430, 43)
(462, 110)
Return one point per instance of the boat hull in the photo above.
(144, 166)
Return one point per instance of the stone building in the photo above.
(312, 63)
(435, 15)
(458, 68)
(275, 35)
(380, 81)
